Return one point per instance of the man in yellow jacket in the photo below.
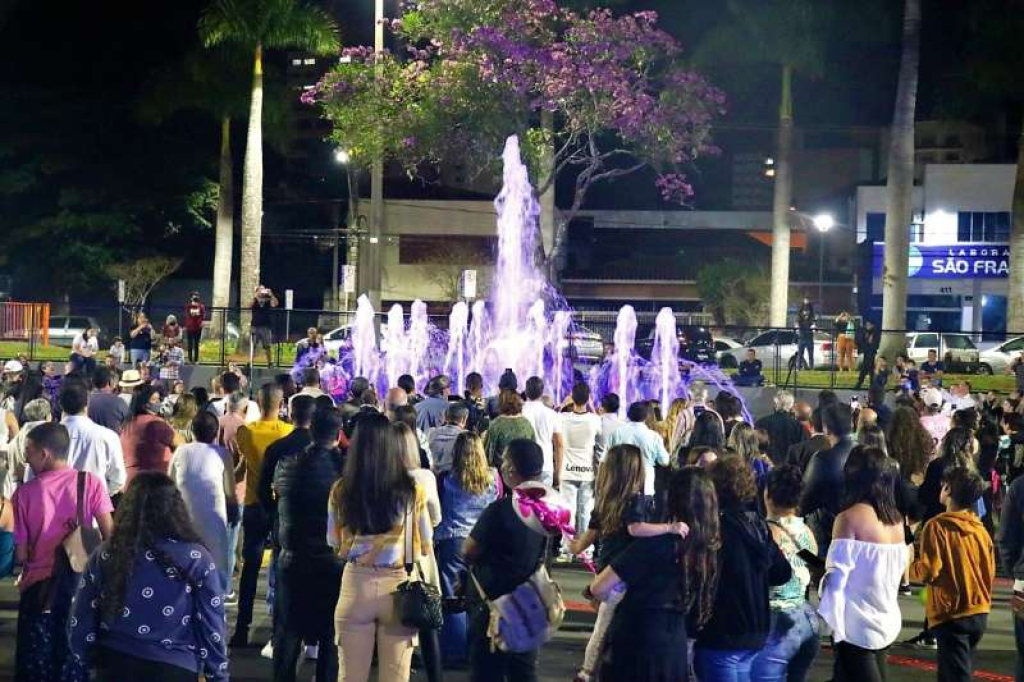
(956, 559)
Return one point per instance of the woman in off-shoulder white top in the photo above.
(864, 568)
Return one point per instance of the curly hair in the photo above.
(151, 511)
(909, 443)
(692, 499)
(469, 464)
(734, 482)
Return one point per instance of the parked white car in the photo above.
(723, 351)
(998, 359)
(64, 328)
(959, 346)
(782, 344)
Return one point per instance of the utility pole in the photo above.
(372, 280)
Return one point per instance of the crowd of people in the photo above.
(722, 550)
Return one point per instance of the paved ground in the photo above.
(559, 659)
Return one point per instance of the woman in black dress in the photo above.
(669, 580)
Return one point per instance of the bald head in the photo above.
(868, 417)
(803, 412)
(395, 397)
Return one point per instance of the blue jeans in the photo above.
(6, 553)
(791, 647)
(454, 632)
(723, 665)
(234, 530)
(805, 342)
(136, 356)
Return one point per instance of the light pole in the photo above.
(342, 157)
(373, 275)
(823, 222)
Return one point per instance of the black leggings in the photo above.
(113, 666)
(854, 664)
(192, 344)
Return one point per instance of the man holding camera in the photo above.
(262, 326)
(195, 315)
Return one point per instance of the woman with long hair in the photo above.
(708, 431)
(793, 640)
(31, 388)
(668, 579)
(749, 564)
(744, 441)
(185, 410)
(149, 605)
(678, 425)
(465, 490)
(910, 444)
(958, 449)
(620, 514)
(865, 563)
(373, 507)
(147, 441)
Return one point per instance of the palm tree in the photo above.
(259, 25)
(789, 36)
(900, 187)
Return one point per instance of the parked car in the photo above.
(957, 351)
(998, 359)
(585, 345)
(64, 328)
(780, 343)
(723, 351)
(695, 345)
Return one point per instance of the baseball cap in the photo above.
(13, 366)
(931, 396)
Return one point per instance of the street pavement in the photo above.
(560, 658)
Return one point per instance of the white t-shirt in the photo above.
(580, 432)
(87, 348)
(545, 424)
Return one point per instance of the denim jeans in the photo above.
(579, 496)
(805, 341)
(454, 632)
(137, 356)
(792, 644)
(234, 531)
(6, 553)
(957, 640)
(723, 665)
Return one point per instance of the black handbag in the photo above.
(418, 603)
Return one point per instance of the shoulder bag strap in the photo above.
(789, 533)
(80, 504)
(409, 556)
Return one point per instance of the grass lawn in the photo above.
(847, 380)
(209, 353)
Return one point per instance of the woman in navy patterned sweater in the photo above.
(149, 605)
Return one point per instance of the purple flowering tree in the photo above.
(593, 96)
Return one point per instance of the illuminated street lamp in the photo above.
(823, 222)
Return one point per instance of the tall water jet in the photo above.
(559, 344)
(418, 343)
(365, 358)
(537, 332)
(666, 354)
(625, 339)
(455, 358)
(517, 282)
(395, 345)
(478, 336)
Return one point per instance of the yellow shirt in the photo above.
(253, 440)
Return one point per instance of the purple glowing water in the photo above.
(419, 343)
(625, 340)
(665, 357)
(455, 359)
(397, 360)
(365, 358)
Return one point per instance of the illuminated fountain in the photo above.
(525, 325)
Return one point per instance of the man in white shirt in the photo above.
(635, 432)
(310, 384)
(547, 429)
(610, 423)
(94, 448)
(959, 397)
(580, 430)
(229, 383)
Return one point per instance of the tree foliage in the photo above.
(735, 293)
(472, 72)
(140, 276)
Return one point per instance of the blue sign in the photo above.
(951, 261)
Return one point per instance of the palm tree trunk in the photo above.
(781, 201)
(224, 232)
(1015, 285)
(252, 195)
(900, 187)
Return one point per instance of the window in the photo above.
(309, 61)
(953, 141)
(58, 322)
(761, 340)
(957, 342)
(1013, 346)
(786, 338)
(927, 141)
(296, 62)
(983, 226)
(927, 341)
(79, 322)
(445, 250)
(951, 157)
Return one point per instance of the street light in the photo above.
(342, 156)
(823, 222)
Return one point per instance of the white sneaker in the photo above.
(268, 650)
(311, 651)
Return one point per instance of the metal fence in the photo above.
(980, 353)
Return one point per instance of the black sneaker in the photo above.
(906, 591)
(922, 641)
(240, 640)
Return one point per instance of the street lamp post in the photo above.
(342, 157)
(823, 222)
